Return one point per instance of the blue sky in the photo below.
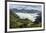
(26, 7)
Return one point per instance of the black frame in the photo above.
(23, 2)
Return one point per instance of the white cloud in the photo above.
(30, 16)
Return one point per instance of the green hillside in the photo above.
(16, 22)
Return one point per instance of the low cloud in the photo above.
(29, 16)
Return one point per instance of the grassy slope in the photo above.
(16, 22)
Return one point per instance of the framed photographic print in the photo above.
(24, 16)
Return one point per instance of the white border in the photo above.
(21, 29)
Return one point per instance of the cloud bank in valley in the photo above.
(30, 16)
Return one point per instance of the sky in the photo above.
(25, 7)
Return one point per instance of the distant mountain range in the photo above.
(26, 11)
